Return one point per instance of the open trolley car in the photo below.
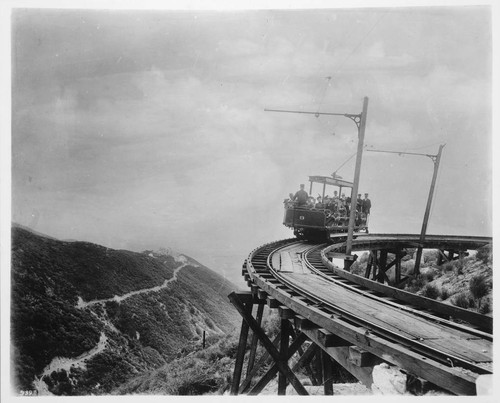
(326, 214)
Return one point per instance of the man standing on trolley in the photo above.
(366, 207)
(301, 196)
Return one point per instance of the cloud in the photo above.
(151, 129)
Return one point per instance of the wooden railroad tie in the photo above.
(272, 302)
(285, 312)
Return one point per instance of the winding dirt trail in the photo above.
(60, 363)
(119, 298)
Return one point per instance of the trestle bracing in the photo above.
(240, 355)
(378, 265)
(243, 303)
(326, 364)
(282, 381)
(253, 343)
(305, 359)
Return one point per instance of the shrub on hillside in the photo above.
(485, 306)
(463, 300)
(428, 276)
(447, 267)
(445, 293)
(484, 254)
(272, 324)
(431, 291)
(455, 265)
(430, 256)
(479, 288)
(416, 283)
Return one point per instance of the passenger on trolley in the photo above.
(301, 196)
(359, 203)
(367, 205)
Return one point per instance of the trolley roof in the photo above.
(330, 181)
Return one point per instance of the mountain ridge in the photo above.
(149, 306)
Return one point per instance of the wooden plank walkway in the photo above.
(435, 335)
(290, 260)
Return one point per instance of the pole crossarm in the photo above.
(356, 118)
(435, 159)
(360, 122)
(431, 156)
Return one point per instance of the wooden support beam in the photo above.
(283, 367)
(272, 302)
(418, 386)
(285, 334)
(397, 270)
(375, 264)
(262, 294)
(382, 266)
(245, 297)
(266, 357)
(440, 257)
(248, 297)
(305, 361)
(263, 381)
(369, 265)
(246, 310)
(389, 266)
(303, 323)
(285, 312)
(327, 339)
(271, 373)
(341, 355)
(362, 358)
(307, 366)
(327, 373)
(253, 342)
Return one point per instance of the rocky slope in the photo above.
(86, 318)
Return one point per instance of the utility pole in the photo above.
(435, 159)
(360, 121)
(357, 171)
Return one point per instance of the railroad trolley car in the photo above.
(324, 215)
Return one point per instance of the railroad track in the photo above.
(415, 336)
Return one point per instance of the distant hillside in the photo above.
(107, 314)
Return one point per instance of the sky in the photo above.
(142, 129)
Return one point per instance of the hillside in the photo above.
(107, 314)
(466, 282)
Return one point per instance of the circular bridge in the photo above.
(329, 313)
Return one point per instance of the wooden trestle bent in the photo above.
(323, 331)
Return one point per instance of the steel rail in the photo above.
(384, 299)
(409, 343)
(452, 379)
(364, 242)
(257, 266)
